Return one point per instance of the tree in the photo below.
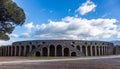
(10, 16)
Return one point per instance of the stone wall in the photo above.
(57, 48)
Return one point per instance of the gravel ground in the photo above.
(108, 63)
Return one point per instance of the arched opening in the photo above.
(27, 50)
(97, 51)
(22, 51)
(2, 50)
(100, 50)
(89, 52)
(44, 51)
(93, 49)
(78, 48)
(6, 50)
(9, 50)
(13, 50)
(59, 50)
(73, 54)
(106, 50)
(84, 50)
(33, 47)
(66, 51)
(37, 54)
(17, 50)
(52, 50)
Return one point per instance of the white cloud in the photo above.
(77, 28)
(69, 10)
(86, 7)
(25, 35)
(5, 42)
(14, 35)
(29, 26)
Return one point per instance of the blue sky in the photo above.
(68, 19)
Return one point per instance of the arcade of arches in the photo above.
(54, 50)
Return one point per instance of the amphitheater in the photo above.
(57, 48)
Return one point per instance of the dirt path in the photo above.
(23, 60)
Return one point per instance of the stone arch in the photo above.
(66, 51)
(73, 54)
(27, 50)
(59, 50)
(17, 50)
(37, 54)
(52, 50)
(93, 49)
(44, 51)
(84, 50)
(22, 51)
(89, 51)
(78, 47)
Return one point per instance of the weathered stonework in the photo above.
(57, 48)
(116, 50)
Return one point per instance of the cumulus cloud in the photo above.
(86, 7)
(25, 35)
(77, 28)
(29, 26)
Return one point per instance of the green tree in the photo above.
(10, 16)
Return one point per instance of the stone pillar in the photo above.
(24, 51)
(19, 51)
(15, 50)
(91, 51)
(95, 50)
(81, 49)
(55, 51)
(104, 50)
(11, 50)
(4, 50)
(30, 48)
(86, 50)
(62, 51)
(48, 54)
(99, 50)
(41, 51)
(107, 50)
(7, 51)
